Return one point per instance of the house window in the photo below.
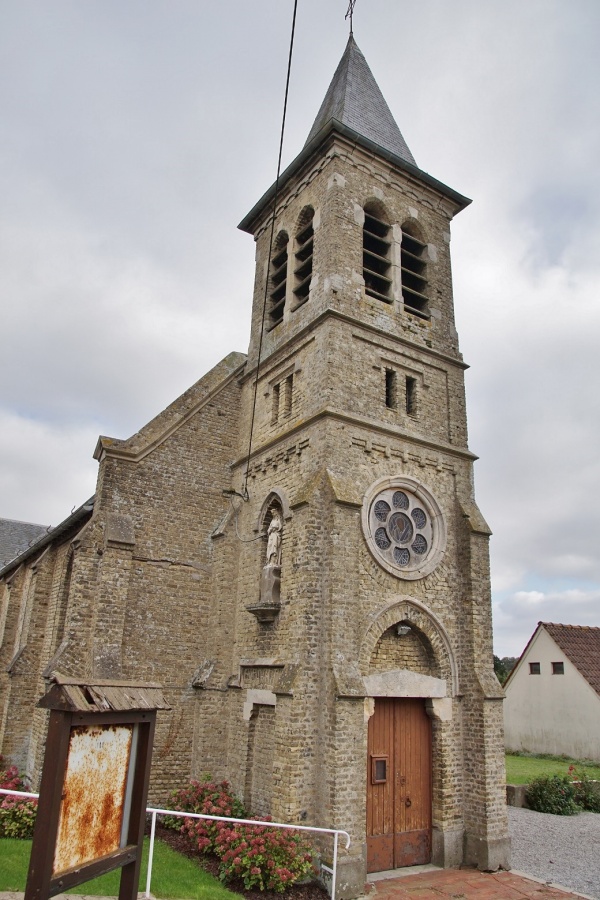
(558, 668)
(303, 257)
(279, 261)
(376, 255)
(414, 280)
(411, 396)
(391, 389)
(534, 668)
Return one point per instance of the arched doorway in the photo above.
(410, 676)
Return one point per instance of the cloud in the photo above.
(47, 470)
(92, 329)
(136, 136)
(517, 614)
(534, 418)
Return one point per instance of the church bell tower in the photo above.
(354, 620)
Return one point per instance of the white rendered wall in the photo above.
(546, 713)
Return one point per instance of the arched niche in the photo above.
(275, 497)
(412, 612)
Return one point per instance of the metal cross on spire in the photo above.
(350, 12)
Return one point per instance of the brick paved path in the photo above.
(465, 884)
(436, 884)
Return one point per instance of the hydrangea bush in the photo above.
(208, 797)
(262, 857)
(17, 814)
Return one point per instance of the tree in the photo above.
(503, 667)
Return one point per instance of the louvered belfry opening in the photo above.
(414, 280)
(377, 254)
(279, 262)
(303, 257)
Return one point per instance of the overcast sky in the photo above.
(135, 135)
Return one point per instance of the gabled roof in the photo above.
(581, 644)
(15, 537)
(354, 100)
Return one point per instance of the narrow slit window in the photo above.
(414, 275)
(275, 404)
(288, 387)
(534, 668)
(391, 389)
(558, 668)
(411, 396)
(303, 258)
(278, 276)
(377, 257)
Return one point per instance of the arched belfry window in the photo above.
(303, 256)
(278, 278)
(377, 261)
(414, 271)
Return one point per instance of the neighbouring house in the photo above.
(553, 694)
(15, 537)
(293, 548)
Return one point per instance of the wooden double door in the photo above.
(398, 785)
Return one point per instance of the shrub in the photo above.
(587, 792)
(263, 857)
(552, 794)
(17, 817)
(17, 814)
(209, 798)
(9, 777)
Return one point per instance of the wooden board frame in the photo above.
(41, 882)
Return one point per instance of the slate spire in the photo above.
(354, 100)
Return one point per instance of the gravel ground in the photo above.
(563, 850)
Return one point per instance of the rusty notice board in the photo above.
(94, 786)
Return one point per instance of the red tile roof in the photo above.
(581, 644)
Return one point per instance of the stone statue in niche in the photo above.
(270, 579)
(274, 539)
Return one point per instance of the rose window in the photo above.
(404, 527)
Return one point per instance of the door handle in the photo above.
(408, 802)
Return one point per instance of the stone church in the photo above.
(293, 548)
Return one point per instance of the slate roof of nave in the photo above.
(581, 644)
(15, 537)
(45, 536)
(355, 100)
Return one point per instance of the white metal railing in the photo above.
(19, 793)
(186, 815)
(336, 832)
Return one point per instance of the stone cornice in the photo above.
(320, 148)
(372, 425)
(283, 349)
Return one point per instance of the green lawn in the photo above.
(174, 877)
(522, 769)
